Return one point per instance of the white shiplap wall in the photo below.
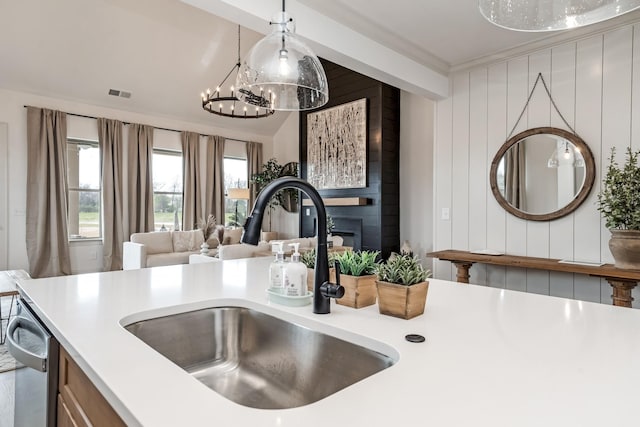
(595, 83)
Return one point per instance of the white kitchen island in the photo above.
(491, 358)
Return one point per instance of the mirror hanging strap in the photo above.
(526, 105)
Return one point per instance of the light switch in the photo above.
(445, 214)
(307, 211)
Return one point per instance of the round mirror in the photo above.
(542, 174)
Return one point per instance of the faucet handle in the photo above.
(333, 290)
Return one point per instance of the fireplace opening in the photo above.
(350, 229)
(348, 239)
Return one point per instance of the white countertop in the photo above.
(492, 357)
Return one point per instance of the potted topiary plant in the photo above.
(308, 258)
(286, 198)
(619, 203)
(402, 286)
(358, 278)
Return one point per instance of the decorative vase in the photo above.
(625, 248)
(402, 301)
(204, 248)
(359, 291)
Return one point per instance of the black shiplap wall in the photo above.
(381, 216)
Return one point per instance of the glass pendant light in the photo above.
(552, 15)
(283, 70)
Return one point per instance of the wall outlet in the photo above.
(445, 214)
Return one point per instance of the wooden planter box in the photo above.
(311, 274)
(402, 301)
(359, 291)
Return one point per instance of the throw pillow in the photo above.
(234, 235)
(187, 241)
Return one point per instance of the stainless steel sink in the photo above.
(258, 360)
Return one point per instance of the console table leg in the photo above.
(463, 271)
(621, 292)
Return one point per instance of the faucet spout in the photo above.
(323, 290)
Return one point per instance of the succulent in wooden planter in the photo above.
(357, 277)
(402, 286)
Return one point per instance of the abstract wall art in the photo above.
(337, 146)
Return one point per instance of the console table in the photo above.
(622, 281)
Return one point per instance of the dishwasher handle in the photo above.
(21, 354)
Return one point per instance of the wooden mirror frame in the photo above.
(590, 173)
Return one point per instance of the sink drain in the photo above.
(415, 338)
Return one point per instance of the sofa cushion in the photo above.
(184, 241)
(171, 258)
(232, 236)
(155, 242)
(241, 250)
(213, 242)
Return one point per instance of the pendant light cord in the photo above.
(238, 45)
(538, 79)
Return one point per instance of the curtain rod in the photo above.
(155, 127)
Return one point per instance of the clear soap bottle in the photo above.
(276, 269)
(295, 274)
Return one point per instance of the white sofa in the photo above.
(160, 248)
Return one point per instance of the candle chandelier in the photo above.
(231, 106)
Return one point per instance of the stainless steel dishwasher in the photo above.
(31, 344)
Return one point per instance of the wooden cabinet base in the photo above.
(79, 401)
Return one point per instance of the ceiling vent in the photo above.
(120, 93)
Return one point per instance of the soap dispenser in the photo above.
(276, 269)
(295, 274)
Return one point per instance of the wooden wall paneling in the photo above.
(390, 165)
(442, 157)
(460, 164)
(4, 196)
(635, 90)
(496, 136)
(478, 168)
(635, 115)
(616, 122)
(538, 115)
(380, 218)
(561, 230)
(589, 126)
(517, 93)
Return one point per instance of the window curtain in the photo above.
(214, 201)
(47, 234)
(515, 177)
(192, 209)
(139, 216)
(254, 166)
(110, 140)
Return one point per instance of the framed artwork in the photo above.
(337, 146)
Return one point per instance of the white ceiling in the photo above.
(166, 51)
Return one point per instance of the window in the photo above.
(167, 190)
(83, 174)
(235, 176)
